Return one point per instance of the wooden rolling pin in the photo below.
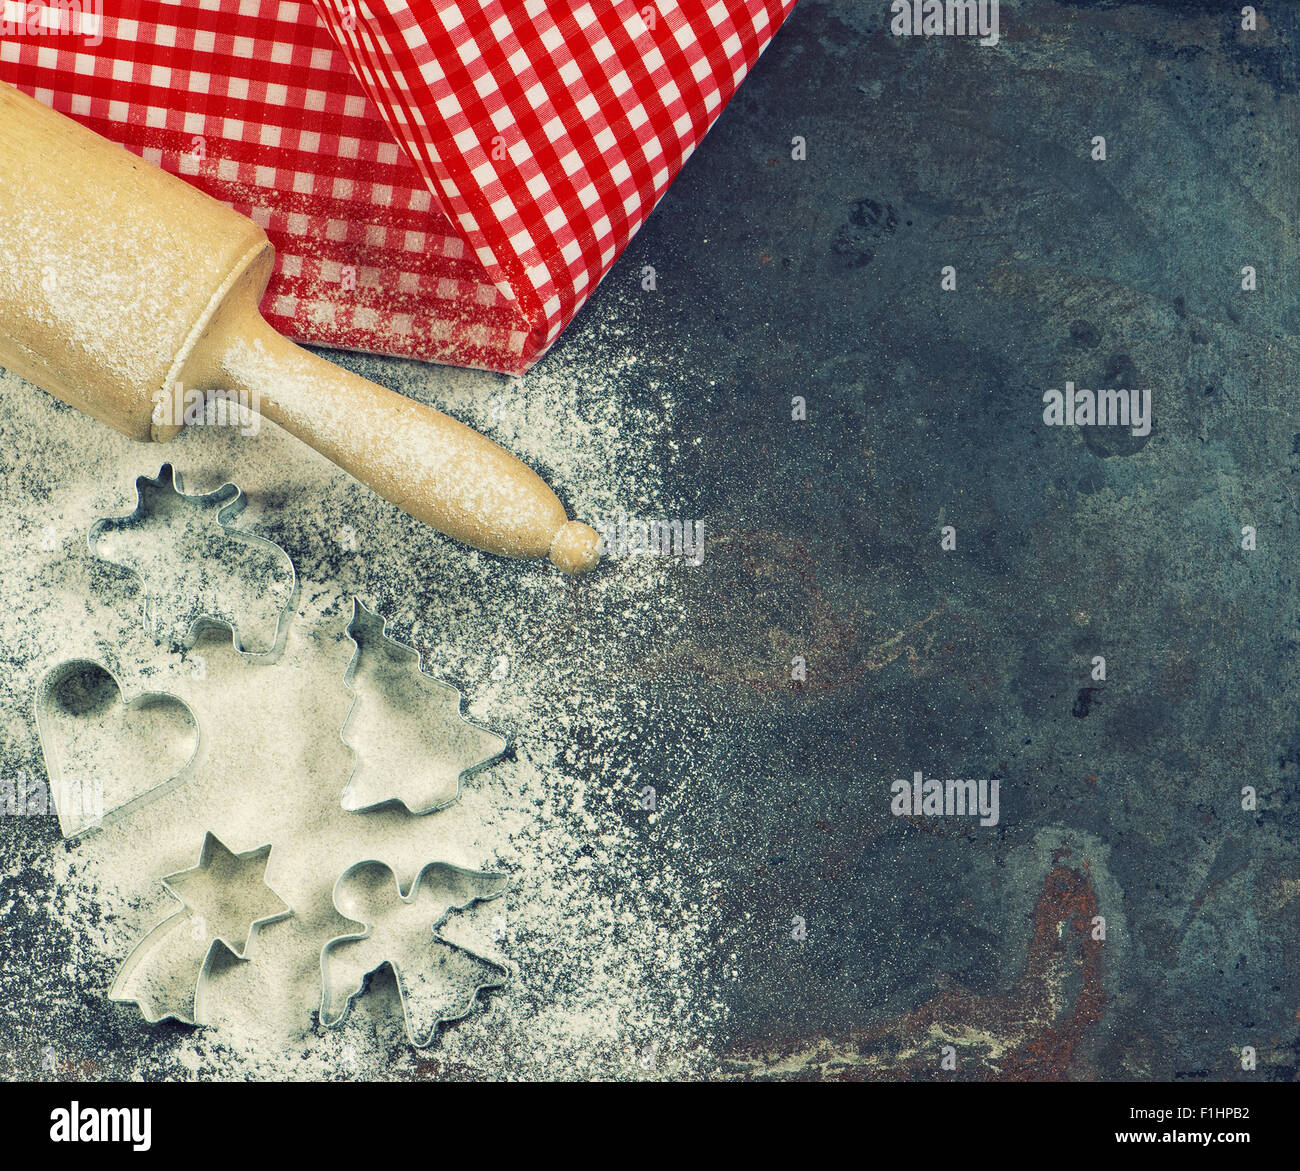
(122, 288)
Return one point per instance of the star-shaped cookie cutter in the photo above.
(171, 964)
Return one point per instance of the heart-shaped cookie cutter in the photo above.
(79, 801)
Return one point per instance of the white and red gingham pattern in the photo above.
(551, 131)
(535, 138)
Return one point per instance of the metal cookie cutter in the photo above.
(194, 573)
(105, 754)
(224, 900)
(438, 981)
(409, 707)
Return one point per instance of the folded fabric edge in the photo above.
(377, 47)
(367, 61)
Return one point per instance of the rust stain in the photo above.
(1030, 1033)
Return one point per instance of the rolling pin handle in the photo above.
(431, 466)
(576, 548)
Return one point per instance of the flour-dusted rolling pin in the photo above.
(121, 287)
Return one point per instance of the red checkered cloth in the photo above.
(446, 181)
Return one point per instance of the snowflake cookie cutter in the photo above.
(458, 746)
(400, 949)
(162, 495)
(166, 974)
(81, 799)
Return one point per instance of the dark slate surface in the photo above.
(1120, 798)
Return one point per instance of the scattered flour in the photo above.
(607, 922)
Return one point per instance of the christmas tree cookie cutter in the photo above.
(160, 500)
(83, 711)
(224, 900)
(400, 930)
(416, 708)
